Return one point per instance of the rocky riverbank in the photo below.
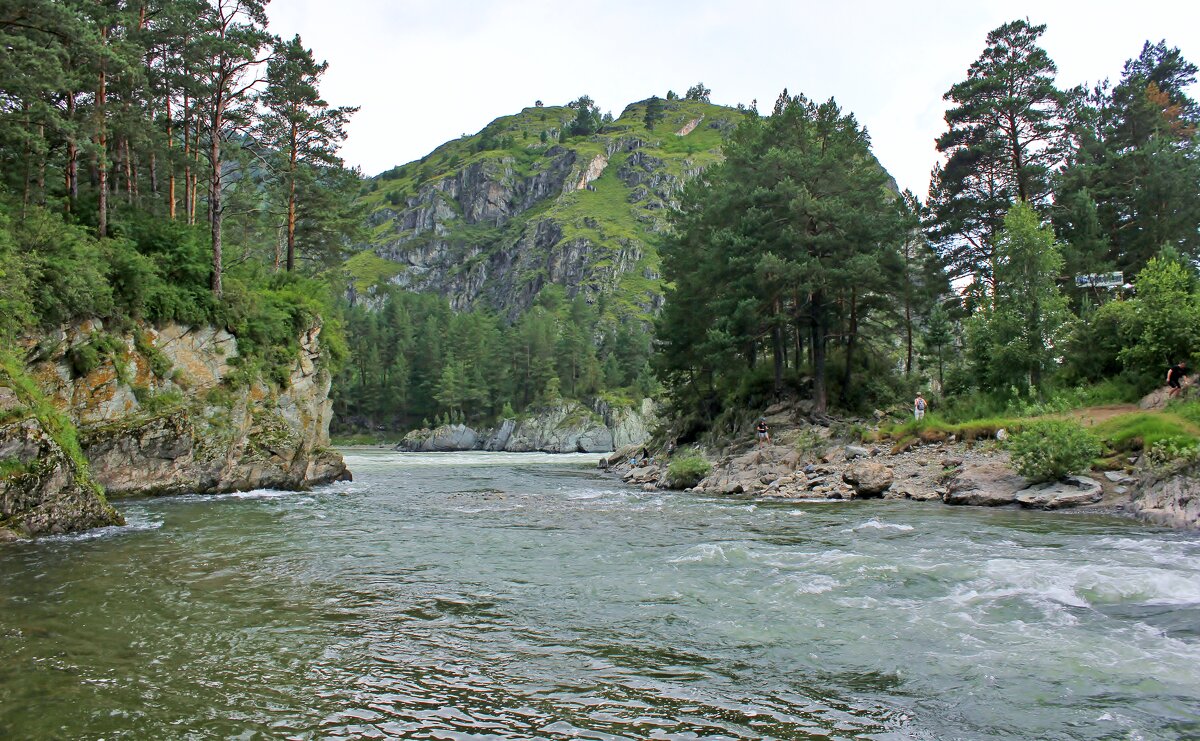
(805, 462)
(567, 427)
(159, 411)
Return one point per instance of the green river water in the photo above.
(524, 596)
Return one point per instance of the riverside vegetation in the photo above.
(163, 209)
(713, 258)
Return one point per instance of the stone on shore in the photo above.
(868, 479)
(1074, 491)
(990, 484)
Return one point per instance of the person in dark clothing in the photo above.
(1175, 377)
(764, 434)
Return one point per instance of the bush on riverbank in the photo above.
(686, 471)
(1051, 449)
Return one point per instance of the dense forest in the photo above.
(168, 161)
(794, 269)
(175, 161)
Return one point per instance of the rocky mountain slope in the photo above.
(154, 411)
(489, 219)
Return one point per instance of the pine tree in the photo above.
(299, 124)
(1005, 136)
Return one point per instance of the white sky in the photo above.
(427, 71)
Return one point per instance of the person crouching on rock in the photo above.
(919, 407)
(763, 433)
(1175, 377)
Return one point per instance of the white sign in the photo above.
(1100, 280)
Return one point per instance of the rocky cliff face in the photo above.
(42, 490)
(1171, 499)
(491, 219)
(164, 411)
(568, 427)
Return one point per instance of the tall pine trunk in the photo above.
(71, 170)
(820, 402)
(852, 337)
(102, 144)
(291, 215)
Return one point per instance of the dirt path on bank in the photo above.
(1091, 416)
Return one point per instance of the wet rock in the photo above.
(1074, 491)
(1171, 499)
(987, 484)
(912, 490)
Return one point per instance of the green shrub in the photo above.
(686, 471)
(1049, 450)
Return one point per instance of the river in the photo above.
(524, 596)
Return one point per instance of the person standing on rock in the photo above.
(919, 407)
(1175, 377)
(764, 434)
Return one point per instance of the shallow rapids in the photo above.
(524, 596)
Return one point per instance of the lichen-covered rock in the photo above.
(753, 471)
(989, 484)
(160, 414)
(42, 490)
(564, 428)
(444, 439)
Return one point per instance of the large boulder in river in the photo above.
(868, 479)
(444, 439)
(990, 484)
(43, 490)
(1073, 491)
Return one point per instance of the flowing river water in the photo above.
(524, 596)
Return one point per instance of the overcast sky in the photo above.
(426, 71)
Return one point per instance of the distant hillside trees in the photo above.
(587, 119)
(655, 110)
(698, 92)
(417, 361)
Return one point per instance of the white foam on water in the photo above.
(875, 524)
(133, 524)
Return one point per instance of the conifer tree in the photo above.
(299, 125)
(1005, 136)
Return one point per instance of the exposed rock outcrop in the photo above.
(1074, 491)
(166, 411)
(567, 427)
(42, 490)
(1171, 499)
